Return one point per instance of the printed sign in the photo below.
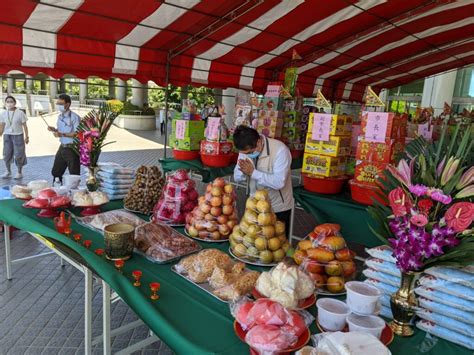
(213, 124)
(376, 128)
(180, 129)
(424, 131)
(321, 126)
(273, 91)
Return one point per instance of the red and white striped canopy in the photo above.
(344, 44)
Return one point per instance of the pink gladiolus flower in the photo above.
(419, 220)
(460, 216)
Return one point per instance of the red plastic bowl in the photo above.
(324, 185)
(364, 193)
(295, 154)
(185, 154)
(216, 161)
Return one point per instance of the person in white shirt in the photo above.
(266, 164)
(15, 136)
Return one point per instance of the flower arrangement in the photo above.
(428, 220)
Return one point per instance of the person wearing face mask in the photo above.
(67, 124)
(15, 136)
(266, 164)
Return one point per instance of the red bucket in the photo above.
(216, 161)
(364, 193)
(323, 185)
(185, 154)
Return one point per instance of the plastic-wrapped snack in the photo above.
(383, 266)
(382, 277)
(145, 191)
(445, 298)
(259, 237)
(464, 276)
(240, 286)
(385, 288)
(99, 221)
(114, 168)
(386, 312)
(216, 213)
(455, 313)
(383, 252)
(447, 322)
(385, 300)
(455, 337)
(178, 199)
(324, 255)
(339, 343)
(452, 288)
(161, 243)
(21, 192)
(202, 265)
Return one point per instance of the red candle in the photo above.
(137, 274)
(119, 264)
(87, 243)
(99, 252)
(77, 237)
(154, 286)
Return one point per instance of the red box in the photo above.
(367, 172)
(216, 148)
(396, 126)
(381, 152)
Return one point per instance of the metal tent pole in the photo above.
(166, 101)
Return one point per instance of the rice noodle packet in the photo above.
(383, 252)
(382, 277)
(445, 298)
(463, 276)
(447, 322)
(382, 286)
(449, 287)
(386, 312)
(383, 266)
(455, 313)
(385, 300)
(435, 329)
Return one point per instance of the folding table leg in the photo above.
(292, 220)
(87, 311)
(61, 260)
(106, 317)
(8, 257)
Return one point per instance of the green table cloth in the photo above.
(341, 209)
(186, 318)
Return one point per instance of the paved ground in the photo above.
(41, 309)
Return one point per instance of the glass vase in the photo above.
(92, 183)
(403, 304)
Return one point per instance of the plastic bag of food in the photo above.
(445, 298)
(384, 266)
(36, 186)
(114, 169)
(382, 277)
(161, 243)
(383, 252)
(21, 192)
(259, 237)
(452, 312)
(324, 255)
(463, 276)
(99, 221)
(452, 288)
(178, 199)
(444, 333)
(339, 343)
(145, 191)
(382, 286)
(216, 213)
(199, 267)
(446, 321)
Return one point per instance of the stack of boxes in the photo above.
(270, 118)
(186, 134)
(382, 138)
(328, 158)
(295, 124)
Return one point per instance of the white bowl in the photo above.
(362, 298)
(366, 324)
(332, 314)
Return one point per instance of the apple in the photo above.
(251, 204)
(335, 284)
(219, 182)
(216, 202)
(216, 211)
(193, 195)
(192, 231)
(279, 227)
(250, 217)
(343, 254)
(199, 214)
(208, 188)
(228, 210)
(200, 225)
(261, 195)
(264, 219)
(268, 232)
(209, 217)
(305, 244)
(319, 279)
(224, 230)
(227, 199)
(348, 268)
(244, 227)
(333, 242)
(320, 254)
(215, 235)
(263, 206)
(299, 256)
(313, 266)
(333, 268)
(211, 227)
(203, 234)
(205, 208)
(201, 200)
(231, 223)
(216, 191)
(228, 189)
(223, 219)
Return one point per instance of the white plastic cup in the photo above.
(366, 324)
(332, 314)
(362, 298)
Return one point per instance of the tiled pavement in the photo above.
(41, 309)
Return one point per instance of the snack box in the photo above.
(273, 103)
(341, 125)
(192, 129)
(289, 133)
(269, 123)
(396, 125)
(216, 148)
(336, 146)
(381, 152)
(323, 165)
(190, 143)
(367, 172)
(291, 116)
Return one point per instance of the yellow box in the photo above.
(323, 165)
(341, 125)
(336, 146)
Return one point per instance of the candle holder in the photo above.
(154, 287)
(99, 252)
(119, 265)
(87, 243)
(137, 274)
(77, 237)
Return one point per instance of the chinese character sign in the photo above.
(321, 126)
(180, 129)
(273, 91)
(376, 128)
(213, 124)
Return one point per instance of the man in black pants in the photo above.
(67, 124)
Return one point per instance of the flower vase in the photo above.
(92, 183)
(403, 304)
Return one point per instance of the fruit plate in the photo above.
(206, 240)
(302, 340)
(90, 210)
(386, 338)
(322, 292)
(302, 304)
(250, 262)
(48, 212)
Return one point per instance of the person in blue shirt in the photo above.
(67, 124)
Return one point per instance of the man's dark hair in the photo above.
(245, 138)
(65, 97)
(10, 97)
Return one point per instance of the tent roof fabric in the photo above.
(345, 45)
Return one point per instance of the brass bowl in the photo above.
(119, 241)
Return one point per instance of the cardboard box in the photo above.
(190, 143)
(270, 123)
(368, 172)
(273, 103)
(192, 129)
(291, 116)
(396, 127)
(337, 146)
(341, 125)
(216, 148)
(289, 133)
(381, 152)
(323, 165)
